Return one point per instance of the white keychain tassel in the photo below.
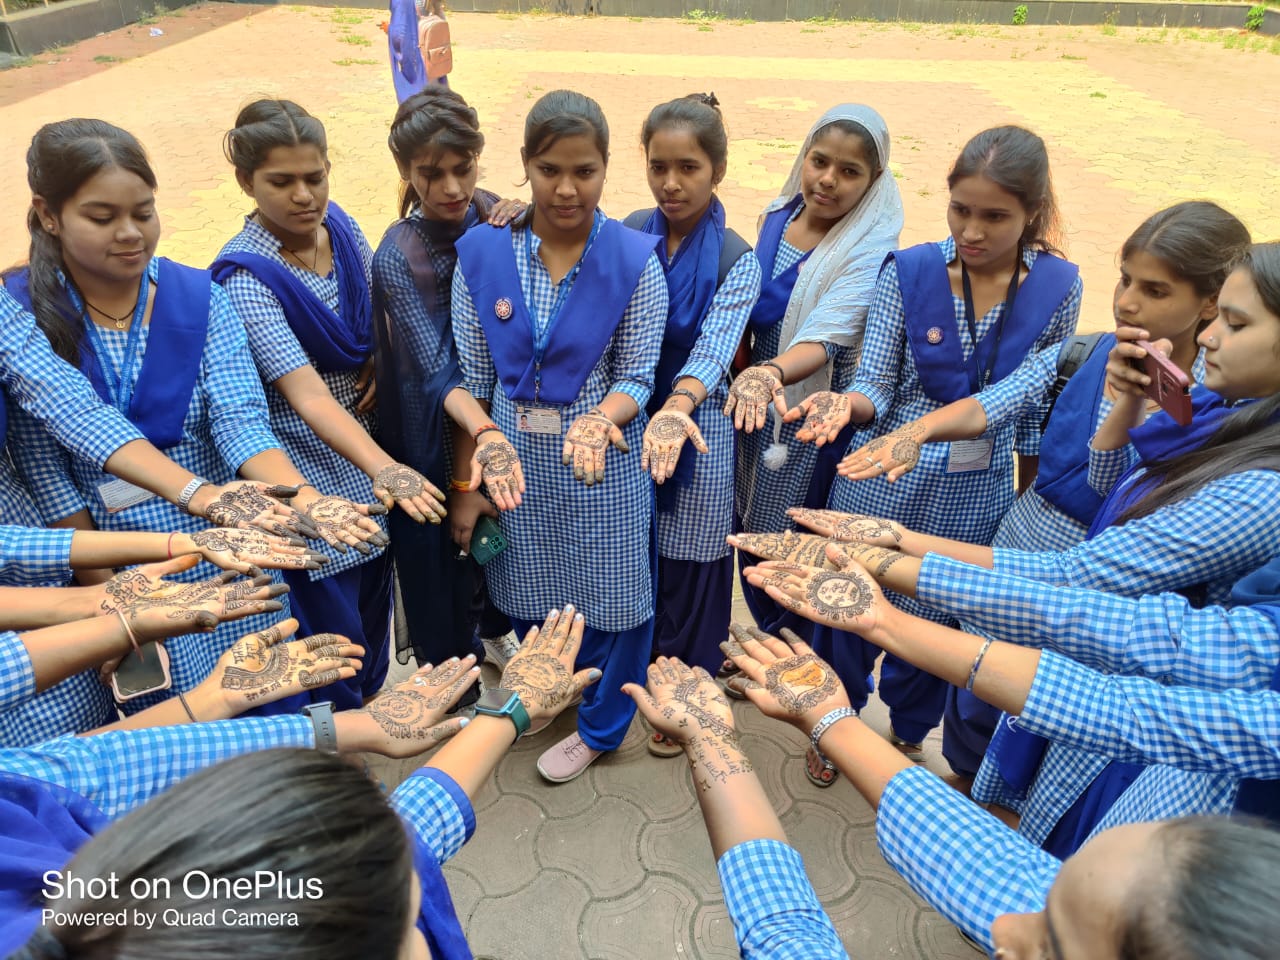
(776, 453)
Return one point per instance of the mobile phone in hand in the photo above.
(142, 671)
(487, 540)
(1169, 386)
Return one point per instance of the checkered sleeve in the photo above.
(882, 346)
(929, 833)
(479, 376)
(1106, 467)
(123, 769)
(236, 405)
(776, 915)
(1221, 532)
(1022, 389)
(638, 339)
(1060, 326)
(33, 556)
(275, 349)
(1160, 636)
(44, 466)
(722, 329)
(17, 675)
(437, 809)
(1137, 720)
(54, 392)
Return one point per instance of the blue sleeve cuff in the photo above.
(456, 794)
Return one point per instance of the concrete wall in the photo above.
(28, 32)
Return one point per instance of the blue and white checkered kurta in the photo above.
(276, 351)
(703, 515)
(30, 554)
(776, 914)
(571, 543)
(226, 425)
(762, 496)
(960, 859)
(51, 390)
(961, 506)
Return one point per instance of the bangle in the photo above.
(462, 486)
(782, 376)
(826, 723)
(305, 483)
(484, 428)
(682, 392)
(169, 545)
(187, 707)
(189, 491)
(977, 662)
(128, 630)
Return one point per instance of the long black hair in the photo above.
(63, 156)
(308, 834)
(1248, 439)
(263, 125)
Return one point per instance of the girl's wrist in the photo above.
(207, 701)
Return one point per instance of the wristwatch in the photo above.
(321, 715)
(504, 703)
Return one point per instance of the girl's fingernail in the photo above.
(594, 674)
(463, 721)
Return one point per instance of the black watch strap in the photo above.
(326, 730)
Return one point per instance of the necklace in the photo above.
(119, 321)
(314, 260)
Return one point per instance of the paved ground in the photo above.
(616, 865)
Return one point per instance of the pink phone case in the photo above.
(143, 671)
(1169, 386)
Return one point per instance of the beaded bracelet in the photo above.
(977, 662)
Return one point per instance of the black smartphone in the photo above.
(487, 540)
(142, 671)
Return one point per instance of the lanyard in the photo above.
(975, 384)
(121, 390)
(541, 338)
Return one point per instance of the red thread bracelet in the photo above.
(169, 546)
(484, 428)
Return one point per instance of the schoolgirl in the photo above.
(712, 283)
(947, 320)
(298, 276)
(559, 323)
(424, 415)
(160, 343)
(1171, 269)
(821, 243)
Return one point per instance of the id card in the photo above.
(967, 456)
(539, 420)
(117, 494)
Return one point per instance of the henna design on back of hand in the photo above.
(400, 481)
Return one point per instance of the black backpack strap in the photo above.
(637, 220)
(1075, 352)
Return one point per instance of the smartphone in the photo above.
(487, 540)
(1169, 386)
(142, 671)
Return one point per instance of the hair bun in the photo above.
(708, 98)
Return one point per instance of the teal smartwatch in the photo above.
(504, 703)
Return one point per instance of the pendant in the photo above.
(120, 324)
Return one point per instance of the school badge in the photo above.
(502, 309)
(933, 335)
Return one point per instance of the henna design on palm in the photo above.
(800, 683)
(756, 386)
(265, 678)
(497, 459)
(400, 481)
(591, 430)
(800, 548)
(668, 427)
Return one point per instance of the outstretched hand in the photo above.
(750, 395)
(825, 414)
(251, 504)
(586, 444)
(849, 527)
(892, 455)
(497, 465)
(398, 484)
(664, 438)
(249, 551)
(542, 671)
(263, 668)
(802, 548)
(787, 680)
(846, 599)
(409, 718)
(342, 523)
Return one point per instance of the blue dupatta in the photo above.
(408, 72)
(945, 374)
(336, 341)
(42, 825)
(775, 292)
(170, 367)
(1261, 590)
(610, 269)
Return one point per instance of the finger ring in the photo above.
(878, 465)
(870, 461)
(419, 682)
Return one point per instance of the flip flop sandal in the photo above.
(662, 746)
(912, 751)
(734, 686)
(821, 772)
(727, 670)
(971, 942)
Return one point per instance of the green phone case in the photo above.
(487, 540)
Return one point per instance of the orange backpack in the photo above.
(437, 51)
